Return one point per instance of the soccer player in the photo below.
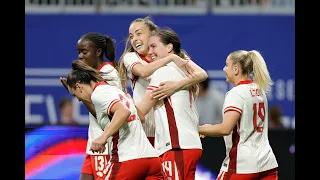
(91, 48)
(245, 120)
(177, 138)
(132, 155)
(135, 63)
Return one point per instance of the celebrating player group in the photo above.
(154, 133)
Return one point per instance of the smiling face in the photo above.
(139, 35)
(157, 49)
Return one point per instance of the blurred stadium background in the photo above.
(209, 31)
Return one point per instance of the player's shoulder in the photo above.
(164, 70)
(101, 90)
(108, 66)
(235, 91)
(130, 55)
(170, 67)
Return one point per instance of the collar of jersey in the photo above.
(98, 84)
(105, 63)
(144, 58)
(248, 81)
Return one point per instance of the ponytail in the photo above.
(83, 73)
(110, 51)
(261, 74)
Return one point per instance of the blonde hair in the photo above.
(128, 48)
(253, 62)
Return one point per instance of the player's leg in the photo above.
(129, 170)
(191, 158)
(155, 169)
(173, 164)
(98, 165)
(271, 174)
(86, 170)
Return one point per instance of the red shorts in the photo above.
(144, 168)
(94, 165)
(271, 174)
(151, 140)
(181, 163)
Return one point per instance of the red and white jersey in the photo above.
(94, 130)
(130, 141)
(139, 86)
(176, 117)
(247, 147)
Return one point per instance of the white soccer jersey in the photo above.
(247, 147)
(176, 117)
(139, 86)
(94, 130)
(130, 142)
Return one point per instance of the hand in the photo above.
(165, 89)
(188, 70)
(201, 135)
(98, 145)
(183, 65)
(64, 83)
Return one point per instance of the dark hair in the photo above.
(168, 36)
(83, 73)
(128, 48)
(105, 42)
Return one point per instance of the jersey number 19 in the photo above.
(258, 116)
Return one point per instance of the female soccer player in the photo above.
(91, 48)
(245, 120)
(177, 138)
(136, 64)
(122, 128)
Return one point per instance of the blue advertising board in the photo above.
(51, 46)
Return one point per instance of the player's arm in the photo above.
(166, 88)
(145, 70)
(230, 119)
(120, 114)
(147, 102)
(233, 106)
(141, 115)
(145, 105)
(196, 77)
